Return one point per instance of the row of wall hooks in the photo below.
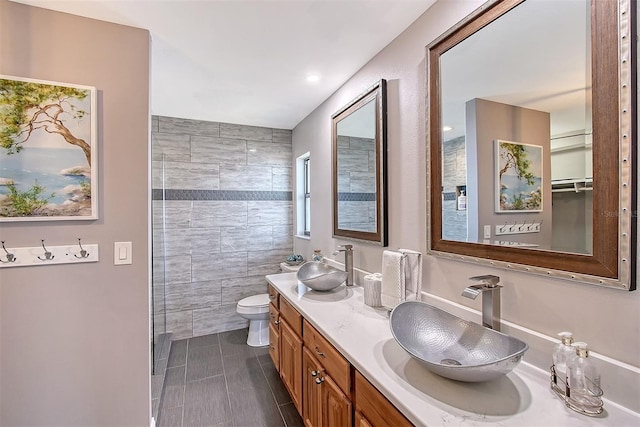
(41, 255)
(519, 227)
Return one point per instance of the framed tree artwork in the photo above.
(48, 151)
(518, 177)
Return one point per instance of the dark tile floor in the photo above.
(218, 380)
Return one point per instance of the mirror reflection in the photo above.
(516, 131)
(357, 170)
(359, 177)
(531, 143)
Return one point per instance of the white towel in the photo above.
(393, 285)
(413, 274)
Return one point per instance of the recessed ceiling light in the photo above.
(446, 128)
(313, 78)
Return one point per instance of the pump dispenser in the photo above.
(561, 354)
(583, 382)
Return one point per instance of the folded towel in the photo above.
(413, 274)
(393, 285)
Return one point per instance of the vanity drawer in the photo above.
(377, 410)
(338, 368)
(274, 296)
(291, 315)
(274, 316)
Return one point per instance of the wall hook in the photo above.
(48, 256)
(10, 257)
(83, 253)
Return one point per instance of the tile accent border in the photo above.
(356, 197)
(170, 194)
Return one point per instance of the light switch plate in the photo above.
(122, 253)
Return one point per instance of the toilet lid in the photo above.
(261, 300)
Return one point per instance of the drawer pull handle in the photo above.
(277, 322)
(319, 380)
(272, 297)
(321, 354)
(314, 373)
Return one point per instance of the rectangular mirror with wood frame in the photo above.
(531, 135)
(359, 145)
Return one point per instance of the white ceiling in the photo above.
(246, 62)
(541, 70)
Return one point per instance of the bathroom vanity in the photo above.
(324, 386)
(341, 365)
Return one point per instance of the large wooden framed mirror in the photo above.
(532, 139)
(359, 146)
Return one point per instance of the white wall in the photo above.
(74, 339)
(607, 319)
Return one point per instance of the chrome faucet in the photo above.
(348, 261)
(490, 303)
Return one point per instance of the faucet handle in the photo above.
(345, 247)
(488, 279)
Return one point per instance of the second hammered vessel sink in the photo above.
(320, 276)
(452, 347)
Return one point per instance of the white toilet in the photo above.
(256, 309)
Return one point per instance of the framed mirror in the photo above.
(531, 139)
(359, 146)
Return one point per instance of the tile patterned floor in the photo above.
(218, 380)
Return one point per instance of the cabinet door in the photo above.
(337, 406)
(311, 391)
(274, 346)
(291, 363)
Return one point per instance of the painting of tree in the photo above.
(518, 177)
(47, 149)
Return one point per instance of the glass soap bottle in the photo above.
(562, 352)
(317, 255)
(583, 382)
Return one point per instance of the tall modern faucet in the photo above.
(348, 261)
(490, 291)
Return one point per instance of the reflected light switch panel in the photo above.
(122, 253)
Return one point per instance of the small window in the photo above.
(307, 196)
(303, 196)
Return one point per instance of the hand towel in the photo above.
(393, 285)
(413, 274)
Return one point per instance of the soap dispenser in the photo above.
(583, 382)
(562, 352)
(462, 201)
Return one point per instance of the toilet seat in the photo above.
(255, 304)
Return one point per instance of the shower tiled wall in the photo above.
(226, 220)
(357, 183)
(454, 174)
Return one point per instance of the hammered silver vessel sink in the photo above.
(452, 347)
(320, 276)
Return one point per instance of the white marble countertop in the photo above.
(361, 333)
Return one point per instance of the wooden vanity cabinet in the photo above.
(274, 335)
(290, 343)
(323, 385)
(324, 403)
(274, 326)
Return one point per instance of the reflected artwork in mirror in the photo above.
(359, 167)
(531, 139)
